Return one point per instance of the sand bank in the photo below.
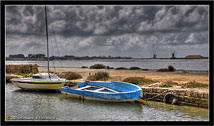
(181, 77)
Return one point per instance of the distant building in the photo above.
(173, 56)
(193, 57)
(154, 56)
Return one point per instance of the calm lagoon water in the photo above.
(185, 64)
(55, 106)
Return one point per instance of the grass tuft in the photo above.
(84, 67)
(138, 80)
(169, 69)
(101, 76)
(145, 69)
(168, 84)
(70, 75)
(163, 70)
(98, 66)
(121, 68)
(134, 68)
(108, 67)
(194, 84)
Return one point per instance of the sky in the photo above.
(133, 31)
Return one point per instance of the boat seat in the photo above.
(99, 89)
(83, 87)
(113, 90)
(103, 88)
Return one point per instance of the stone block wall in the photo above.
(184, 96)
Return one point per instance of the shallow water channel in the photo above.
(24, 105)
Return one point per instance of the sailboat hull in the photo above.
(40, 86)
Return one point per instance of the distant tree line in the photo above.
(42, 57)
(66, 57)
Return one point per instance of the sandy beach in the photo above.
(181, 77)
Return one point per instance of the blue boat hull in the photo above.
(123, 91)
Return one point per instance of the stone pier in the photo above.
(184, 96)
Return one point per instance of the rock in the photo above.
(154, 90)
(181, 98)
(154, 85)
(191, 100)
(159, 90)
(194, 94)
(205, 95)
(161, 96)
(186, 99)
(150, 90)
(182, 93)
(188, 93)
(200, 95)
(176, 92)
(146, 94)
(196, 100)
(204, 101)
(178, 86)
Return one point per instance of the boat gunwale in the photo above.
(117, 82)
(99, 91)
(104, 92)
(138, 88)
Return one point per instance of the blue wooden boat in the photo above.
(104, 91)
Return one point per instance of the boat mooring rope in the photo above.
(174, 100)
(53, 33)
(156, 95)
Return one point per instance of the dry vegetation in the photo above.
(99, 76)
(184, 79)
(138, 80)
(180, 77)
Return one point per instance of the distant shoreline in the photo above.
(23, 59)
(178, 64)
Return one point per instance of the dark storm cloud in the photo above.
(25, 20)
(107, 20)
(111, 28)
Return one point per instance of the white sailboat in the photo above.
(41, 81)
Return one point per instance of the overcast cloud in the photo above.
(137, 31)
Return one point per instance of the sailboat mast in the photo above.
(47, 38)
